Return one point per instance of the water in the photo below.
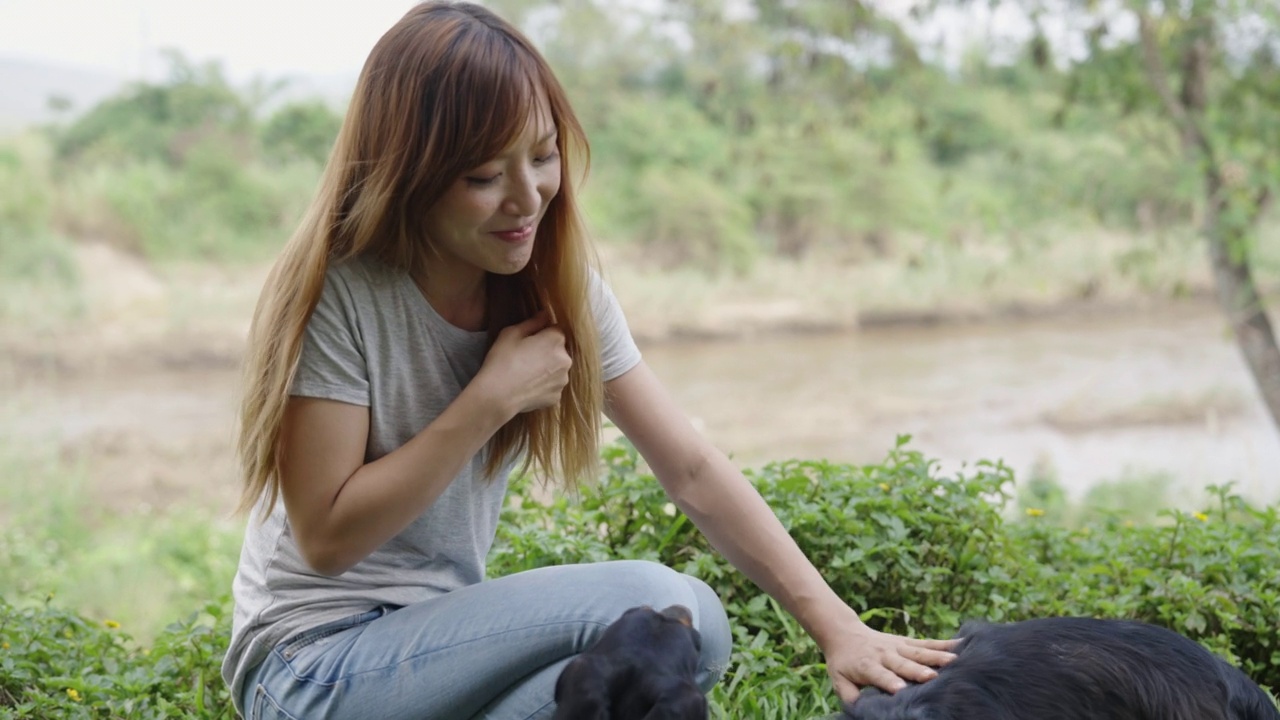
(1094, 399)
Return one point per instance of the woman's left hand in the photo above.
(859, 656)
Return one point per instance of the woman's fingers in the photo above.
(934, 644)
(890, 679)
(845, 688)
(889, 663)
(927, 655)
(908, 669)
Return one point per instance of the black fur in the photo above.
(1074, 669)
(641, 668)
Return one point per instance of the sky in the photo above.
(271, 38)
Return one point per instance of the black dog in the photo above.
(641, 668)
(1075, 669)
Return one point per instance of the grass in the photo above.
(229, 219)
(921, 279)
(90, 598)
(140, 570)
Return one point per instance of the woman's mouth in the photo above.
(514, 236)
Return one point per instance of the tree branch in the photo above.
(1261, 204)
(1189, 125)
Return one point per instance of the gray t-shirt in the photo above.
(375, 341)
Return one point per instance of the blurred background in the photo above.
(1004, 228)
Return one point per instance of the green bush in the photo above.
(58, 664)
(916, 550)
(161, 121)
(919, 552)
(303, 130)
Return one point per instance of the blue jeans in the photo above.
(491, 651)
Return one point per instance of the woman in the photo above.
(434, 321)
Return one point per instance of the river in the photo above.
(1095, 399)
(1092, 399)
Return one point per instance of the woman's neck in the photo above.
(459, 300)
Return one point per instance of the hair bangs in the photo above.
(493, 92)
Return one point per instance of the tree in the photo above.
(162, 121)
(1211, 68)
(1225, 111)
(303, 129)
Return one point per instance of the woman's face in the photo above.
(486, 221)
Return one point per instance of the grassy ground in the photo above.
(142, 568)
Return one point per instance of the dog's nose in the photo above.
(680, 614)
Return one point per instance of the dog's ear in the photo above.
(682, 702)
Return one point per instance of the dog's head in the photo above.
(641, 668)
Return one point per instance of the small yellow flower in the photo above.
(1035, 512)
(1201, 517)
(4, 646)
(68, 634)
(73, 694)
(884, 487)
(112, 624)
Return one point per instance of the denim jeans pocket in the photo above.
(265, 707)
(317, 637)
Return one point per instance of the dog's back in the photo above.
(1075, 669)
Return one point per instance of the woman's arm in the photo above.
(736, 520)
(341, 508)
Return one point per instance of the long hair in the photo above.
(447, 88)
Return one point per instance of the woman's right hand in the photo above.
(527, 368)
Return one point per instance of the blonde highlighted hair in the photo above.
(446, 89)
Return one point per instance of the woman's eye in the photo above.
(481, 181)
(543, 160)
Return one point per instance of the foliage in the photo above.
(177, 169)
(163, 121)
(920, 552)
(138, 568)
(916, 550)
(771, 130)
(37, 271)
(55, 663)
(1209, 70)
(300, 131)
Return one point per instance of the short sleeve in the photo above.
(618, 350)
(332, 363)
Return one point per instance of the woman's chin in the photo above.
(512, 262)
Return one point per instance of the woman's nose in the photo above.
(523, 198)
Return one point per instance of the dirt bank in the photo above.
(138, 391)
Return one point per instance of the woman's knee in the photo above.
(623, 584)
(713, 626)
(664, 586)
(640, 582)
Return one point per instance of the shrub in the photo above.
(57, 664)
(919, 552)
(916, 550)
